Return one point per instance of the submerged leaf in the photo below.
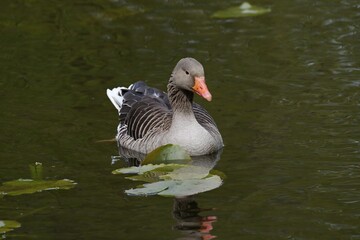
(165, 153)
(8, 225)
(27, 186)
(244, 10)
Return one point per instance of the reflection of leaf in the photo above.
(244, 10)
(8, 225)
(27, 186)
(169, 152)
(177, 188)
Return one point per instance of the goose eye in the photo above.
(187, 73)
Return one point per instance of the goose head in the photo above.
(188, 74)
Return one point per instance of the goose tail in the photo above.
(116, 96)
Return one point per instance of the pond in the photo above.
(286, 98)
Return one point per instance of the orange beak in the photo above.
(201, 88)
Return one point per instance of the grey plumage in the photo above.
(150, 118)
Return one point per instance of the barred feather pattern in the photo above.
(145, 114)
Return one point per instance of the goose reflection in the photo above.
(191, 220)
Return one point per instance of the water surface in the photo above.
(285, 91)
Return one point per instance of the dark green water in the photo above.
(286, 97)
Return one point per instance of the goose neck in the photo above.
(181, 100)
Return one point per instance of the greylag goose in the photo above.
(150, 118)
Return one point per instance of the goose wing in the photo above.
(204, 118)
(144, 109)
(145, 116)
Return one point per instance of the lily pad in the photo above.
(165, 175)
(172, 179)
(8, 225)
(193, 186)
(187, 172)
(244, 10)
(149, 173)
(177, 188)
(146, 177)
(166, 153)
(149, 167)
(156, 174)
(149, 188)
(136, 169)
(27, 186)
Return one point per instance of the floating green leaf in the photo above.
(168, 171)
(244, 10)
(187, 172)
(146, 177)
(27, 186)
(172, 179)
(154, 175)
(178, 188)
(146, 168)
(8, 225)
(36, 184)
(192, 186)
(136, 170)
(166, 153)
(149, 188)
(149, 173)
